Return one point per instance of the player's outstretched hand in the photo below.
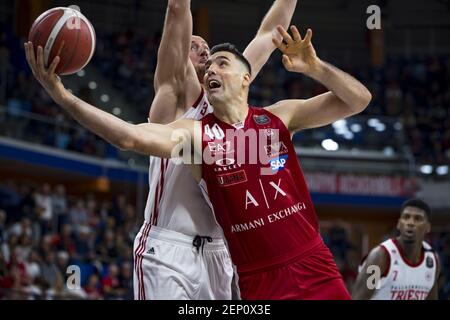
(298, 54)
(46, 76)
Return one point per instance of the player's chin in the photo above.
(409, 237)
(214, 95)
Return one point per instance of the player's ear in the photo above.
(428, 227)
(247, 78)
(398, 225)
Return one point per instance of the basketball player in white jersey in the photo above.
(179, 252)
(408, 266)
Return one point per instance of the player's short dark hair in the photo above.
(229, 47)
(417, 203)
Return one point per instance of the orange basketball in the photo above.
(66, 33)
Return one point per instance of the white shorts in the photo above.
(167, 266)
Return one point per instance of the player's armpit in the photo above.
(371, 271)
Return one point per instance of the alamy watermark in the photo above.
(373, 281)
(73, 281)
(374, 20)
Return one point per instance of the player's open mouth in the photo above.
(213, 84)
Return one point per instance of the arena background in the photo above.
(69, 198)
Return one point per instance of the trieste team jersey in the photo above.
(257, 190)
(404, 280)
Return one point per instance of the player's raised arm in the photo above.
(261, 47)
(174, 67)
(173, 51)
(151, 139)
(347, 96)
(375, 264)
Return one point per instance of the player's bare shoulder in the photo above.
(377, 257)
(286, 110)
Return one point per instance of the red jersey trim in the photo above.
(402, 254)
(195, 105)
(388, 261)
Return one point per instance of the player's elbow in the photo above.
(366, 98)
(126, 144)
(363, 101)
(129, 141)
(177, 7)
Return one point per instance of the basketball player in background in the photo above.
(264, 208)
(408, 266)
(177, 217)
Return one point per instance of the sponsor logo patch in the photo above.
(276, 149)
(225, 162)
(278, 163)
(219, 147)
(429, 262)
(262, 119)
(228, 179)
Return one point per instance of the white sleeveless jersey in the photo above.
(404, 281)
(175, 201)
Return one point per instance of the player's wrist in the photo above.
(61, 95)
(317, 69)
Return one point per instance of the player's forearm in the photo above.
(362, 295)
(114, 130)
(360, 289)
(279, 14)
(261, 47)
(173, 52)
(352, 92)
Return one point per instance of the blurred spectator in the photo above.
(59, 204)
(93, 288)
(44, 207)
(126, 280)
(111, 283)
(49, 270)
(78, 216)
(33, 265)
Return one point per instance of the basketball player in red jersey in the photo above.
(407, 266)
(177, 218)
(264, 208)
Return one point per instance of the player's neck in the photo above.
(232, 110)
(231, 114)
(412, 250)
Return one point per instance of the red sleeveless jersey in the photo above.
(263, 206)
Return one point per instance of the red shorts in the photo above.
(311, 277)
